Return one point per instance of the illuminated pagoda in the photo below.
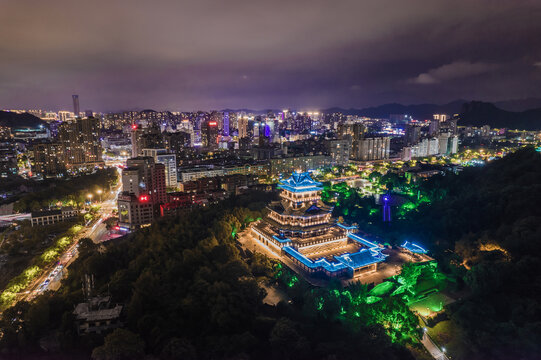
(301, 227)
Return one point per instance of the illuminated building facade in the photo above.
(76, 109)
(282, 165)
(300, 227)
(143, 190)
(162, 156)
(49, 159)
(209, 133)
(81, 141)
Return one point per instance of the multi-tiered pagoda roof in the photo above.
(300, 226)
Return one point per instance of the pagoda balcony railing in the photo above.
(301, 220)
(307, 244)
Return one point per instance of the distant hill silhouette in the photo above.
(519, 104)
(419, 111)
(477, 113)
(14, 120)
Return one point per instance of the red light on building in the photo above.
(134, 127)
(213, 123)
(143, 198)
(117, 228)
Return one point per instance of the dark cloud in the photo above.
(120, 54)
(457, 69)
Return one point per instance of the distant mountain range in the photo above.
(522, 114)
(477, 113)
(419, 111)
(515, 114)
(519, 105)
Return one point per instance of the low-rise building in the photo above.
(191, 174)
(97, 315)
(133, 211)
(288, 165)
(49, 217)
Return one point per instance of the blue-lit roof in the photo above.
(300, 182)
(369, 244)
(280, 240)
(414, 248)
(353, 261)
(323, 263)
(345, 227)
(361, 258)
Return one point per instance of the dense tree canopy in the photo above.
(485, 226)
(190, 292)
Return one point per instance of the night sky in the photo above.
(190, 55)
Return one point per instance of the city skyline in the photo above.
(204, 55)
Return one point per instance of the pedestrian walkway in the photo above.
(432, 348)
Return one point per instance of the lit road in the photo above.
(50, 278)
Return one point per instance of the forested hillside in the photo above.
(485, 225)
(190, 293)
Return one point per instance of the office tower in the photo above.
(243, 127)
(209, 133)
(226, 124)
(169, 160)
(75, 99)
(413, 134)
(233, 123)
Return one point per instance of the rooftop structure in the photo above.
(300, 227)
(97, 315)
(414, 248)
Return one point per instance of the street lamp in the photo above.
(89, 196)
(99, 193)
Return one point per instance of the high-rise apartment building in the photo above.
(177, 142)
(145, 138)
(49, 159)
(370, 149)
(434, 127)
(169, 160)
(81, 141)
(339, 150)
(413, 134)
